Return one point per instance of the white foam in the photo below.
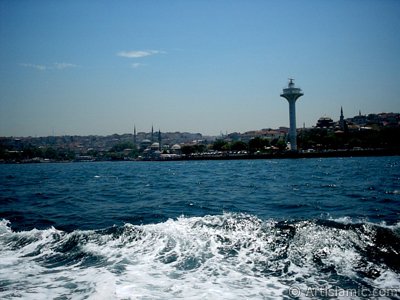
(4, 227)
(223, 257)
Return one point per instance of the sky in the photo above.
(84, 67)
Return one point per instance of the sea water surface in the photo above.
(243, 229)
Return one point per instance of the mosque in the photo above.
(153, 149)
(328, 123)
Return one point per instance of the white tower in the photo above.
(291, 94)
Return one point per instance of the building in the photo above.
(360, 119)
(291, 94)
(325, 122)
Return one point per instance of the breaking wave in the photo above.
(229, 256)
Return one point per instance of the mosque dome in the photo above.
(176, 147)
(155, 146)
(325, 122)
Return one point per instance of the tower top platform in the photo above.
(291, 90)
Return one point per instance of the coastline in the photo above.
(297, 155)
(232, 156)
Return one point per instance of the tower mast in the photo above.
(291, 94)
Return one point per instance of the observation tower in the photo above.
(291, 94)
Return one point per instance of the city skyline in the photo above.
(84, 67)
(148, 131)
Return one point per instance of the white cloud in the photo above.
(138, 54)
(61, 66)
(54, 66)
(34, 66)
(136, 65)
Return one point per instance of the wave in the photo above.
(227, 256)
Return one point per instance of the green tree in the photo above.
(281, 145)
(187, 149)
(122, 146)
(220, 145)
(118, 151)
(51, 153)
(239, 146)
(258, 144)
(200, 148)
(30, 151)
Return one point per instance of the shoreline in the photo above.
(228, 156)
(297, 155)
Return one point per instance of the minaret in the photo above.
(291, 94)
(152, 134)
(341, 120)
(159, 139)
(134, 135)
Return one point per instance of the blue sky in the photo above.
(98, 67)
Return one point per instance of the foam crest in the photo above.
(227, 256)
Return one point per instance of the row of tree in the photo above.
(323, 139)
(256, 144)
(30, 152)
(317, 139)
(119, 151)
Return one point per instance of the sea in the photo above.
(310, 228)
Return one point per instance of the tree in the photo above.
(122, 146)
(119, 151)
(238, 146)
(281, 145)
(258, 144)
(50, 153)
(187, 149)
(220, 145)
(30, 151)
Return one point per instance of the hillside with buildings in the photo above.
(361, 132)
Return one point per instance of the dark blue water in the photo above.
(261, 229)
